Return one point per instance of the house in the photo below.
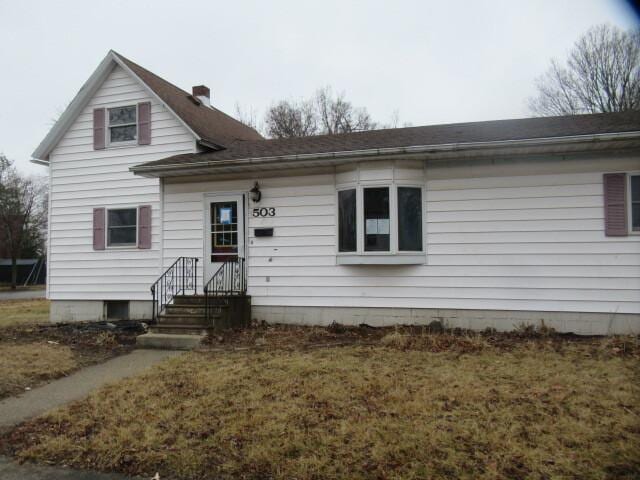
(483, 224)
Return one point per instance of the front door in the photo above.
(224, 231)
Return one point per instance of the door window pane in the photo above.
(347, 220)
(635, 203)
(409, 219)
(122, 226)
(376, 219)
(224, 231)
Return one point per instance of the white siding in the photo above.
(83, 178)
(520, 242)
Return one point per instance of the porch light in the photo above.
(255, 192)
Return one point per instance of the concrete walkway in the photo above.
(10, 470)
(21, 294)
(35, 402)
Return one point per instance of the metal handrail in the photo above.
(229, 280)
(179, 278)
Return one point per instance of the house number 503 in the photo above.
(264, 212)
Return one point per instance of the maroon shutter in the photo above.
(144, 123)
(615, 204)
(98, 228)
(144, 226)
(98, 128)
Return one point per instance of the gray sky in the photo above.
(432, 61)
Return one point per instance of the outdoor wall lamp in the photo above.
(255, 192)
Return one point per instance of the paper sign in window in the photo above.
(377, 226)
(225, 216)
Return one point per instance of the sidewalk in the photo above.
(14, 410)
(22, 294)
(10, 470)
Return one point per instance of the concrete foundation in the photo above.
(94, 310)
(502, 320)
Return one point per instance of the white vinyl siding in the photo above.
(519, 242)
(83, 178)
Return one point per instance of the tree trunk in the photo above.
(14, 273)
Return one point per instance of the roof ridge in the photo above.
(208, 122)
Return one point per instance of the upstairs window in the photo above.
(123, 124)
(122, 227)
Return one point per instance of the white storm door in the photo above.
(224, 231)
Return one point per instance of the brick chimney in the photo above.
(202, 93)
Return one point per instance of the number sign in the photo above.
(264, 212)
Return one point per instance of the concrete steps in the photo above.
(186, 317)
(169, 341)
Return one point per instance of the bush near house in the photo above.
(393, 404)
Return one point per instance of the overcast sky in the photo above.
(432, 61)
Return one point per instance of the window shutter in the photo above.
(98, 128)
(144, 226)
(615, 204)
(144, 123)
(98, 228)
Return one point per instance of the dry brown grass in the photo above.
(426, 408)
(26, 365)
(23, 312)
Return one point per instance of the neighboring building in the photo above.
(484, 224)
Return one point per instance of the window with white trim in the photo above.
(634, 202)
(122, 124)
(380, 219)
(122, 227)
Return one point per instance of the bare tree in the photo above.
(22, 214)
(325, 113)
(248, 117)
(337, 115)
(291, 119)
(601, 74)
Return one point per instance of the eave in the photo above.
(454, 151)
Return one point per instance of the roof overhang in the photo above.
(454, 151)
(83, 97)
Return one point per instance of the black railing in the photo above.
(229, 280)
(179, 278)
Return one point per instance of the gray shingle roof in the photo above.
(207, 122)
(456, 133)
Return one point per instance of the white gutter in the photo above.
(354, 155)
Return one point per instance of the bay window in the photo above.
(347, 234)
(376, 219)
(380, 224)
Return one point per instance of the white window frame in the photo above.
(394, 255)
(629, 204)
(128, 143)
(122, 246)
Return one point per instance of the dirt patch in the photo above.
(433, 338)
(34, 354)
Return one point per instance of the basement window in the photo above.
(117, 309)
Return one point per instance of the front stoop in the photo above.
(169, 341)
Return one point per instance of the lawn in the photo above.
(34, 351)
(23, 312)
(409, 406)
